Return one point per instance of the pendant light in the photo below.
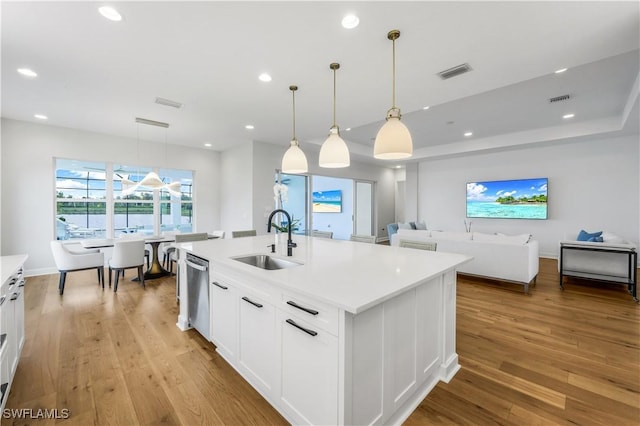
(393, 141)
(294, 160)
(334, 152)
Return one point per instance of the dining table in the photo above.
(155, 270)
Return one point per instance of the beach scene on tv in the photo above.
(327, 202)
(508, 199)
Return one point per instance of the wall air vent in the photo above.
(167, 102)
(457, 70)
(151, 122)
(559, 98)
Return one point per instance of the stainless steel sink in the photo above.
(264, 261)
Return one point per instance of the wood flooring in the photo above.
(550, 357)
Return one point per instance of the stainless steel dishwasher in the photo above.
(198, 294)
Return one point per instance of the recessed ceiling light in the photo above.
(249, 127)
(110, 13)
(425, 108)
(264, 77)
(561, 70)
(468, 134)
(41, 116)
(568, 116)
(398, 167)
(350, 21)
(208, 145)
(348, 129)
(27, 72)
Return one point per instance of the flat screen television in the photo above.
(327, 201)
(508, 199)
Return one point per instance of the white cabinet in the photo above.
(309, 371)
(11, 321)
(257, 341)
(224, 316)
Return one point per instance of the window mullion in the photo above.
(110, 209)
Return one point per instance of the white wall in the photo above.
(266, 157)
(236, 173)
(341, 224)
(593, 185)
(28, 183)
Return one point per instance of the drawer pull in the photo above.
(306, 330)
(217, 284)
(257, 305)
(2, 299)
(302, 308)
(14, 296)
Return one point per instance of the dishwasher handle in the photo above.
(202, 268)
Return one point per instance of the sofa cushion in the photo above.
(584, 235)
(392, 228)
(455, 236)
(402, 225)
(421, 226)
(516, 239)
(610, 237)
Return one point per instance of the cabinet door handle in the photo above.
(299, 327)
(217, 284)
(257, 305)
(2, 299)
(14, 296)
(302, 308)
(21, 283)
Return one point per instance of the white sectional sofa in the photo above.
(503, 257)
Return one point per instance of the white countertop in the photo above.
(350, 275)
(10, 265)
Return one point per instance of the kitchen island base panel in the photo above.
(384, 361)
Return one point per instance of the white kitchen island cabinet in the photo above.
(356, 334)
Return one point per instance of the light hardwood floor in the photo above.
(550, 357)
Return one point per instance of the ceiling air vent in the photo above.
(151, 122)
(167, 102)
(559, 98)
(452, 72)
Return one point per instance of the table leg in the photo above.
(156, 270)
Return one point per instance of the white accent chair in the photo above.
(127, 254)
(71, 257)
(322, 234)
(137, 236)
(371, 239)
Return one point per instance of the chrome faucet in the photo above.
(290, 243)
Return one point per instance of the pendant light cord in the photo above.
(393, 97)
(334, 97)
(293, 95)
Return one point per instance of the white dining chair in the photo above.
(371, 239)
(219, 234)
(127, 254)
(72, 257)
(421, 245)
(322, 234)
(137, 236)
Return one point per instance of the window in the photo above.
(90, 202)
(80, 199)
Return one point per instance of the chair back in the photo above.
(196, 236)
(422, 245)
(371, 239)
(67, 260)
(127, 253)
(219, 234)
(322, 234)
(239, 234)
(131, 236)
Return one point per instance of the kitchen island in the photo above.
(349, 333)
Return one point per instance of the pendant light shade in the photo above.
(152, 180)
(294, 160)
(393, 141)
(334, 152)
